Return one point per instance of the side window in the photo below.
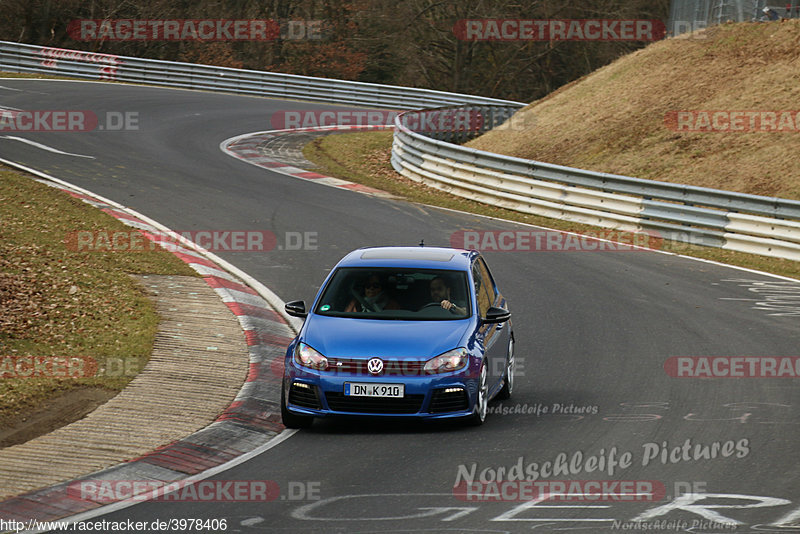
(488, 282)
(476, 276)
(481, 292)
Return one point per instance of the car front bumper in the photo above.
(321, 394)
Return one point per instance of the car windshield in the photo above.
(399, 294)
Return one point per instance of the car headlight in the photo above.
(308, 357)
(452, 360)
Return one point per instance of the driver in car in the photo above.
(440, 293)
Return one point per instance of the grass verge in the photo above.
(59, 303)
(643, 115)
(34, 75)
(364, 157)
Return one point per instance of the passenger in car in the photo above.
(374, 297)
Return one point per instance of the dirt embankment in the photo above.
(642, 115)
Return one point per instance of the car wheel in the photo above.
(481, 404)
(291, 420)
(508, 378)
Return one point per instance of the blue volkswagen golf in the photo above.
(400, 332)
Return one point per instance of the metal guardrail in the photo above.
(698, 215)
(423, 151)
(17, 57)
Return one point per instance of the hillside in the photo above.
(624, 118)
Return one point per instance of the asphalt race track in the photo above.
(594, 330)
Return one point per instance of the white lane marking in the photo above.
(790, 520)
(44, 147)
(21, 90)
(686, 502)
(782, 299)
(511, 515)
(305, 512)
(252, 521)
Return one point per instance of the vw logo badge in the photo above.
(375, 366)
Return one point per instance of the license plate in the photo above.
(354, 389)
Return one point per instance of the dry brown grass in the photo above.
(613, 119)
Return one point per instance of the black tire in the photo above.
(291, 420)
(481, 405)
(508, 377)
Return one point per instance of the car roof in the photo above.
(416, 257)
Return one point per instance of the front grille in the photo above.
(305, 396)
(338, 402)
(390, 367)
(444, 400)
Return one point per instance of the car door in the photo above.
(494, 336)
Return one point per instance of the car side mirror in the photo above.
(496, 315)
(296, 308)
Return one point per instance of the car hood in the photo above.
(339, 337)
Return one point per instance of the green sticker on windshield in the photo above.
(325, 307)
